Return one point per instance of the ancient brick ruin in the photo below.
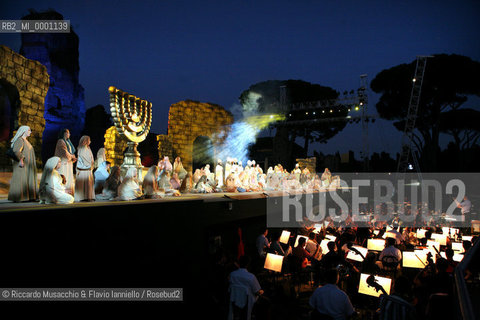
(23, 86)
(115, 145)
(190, 122)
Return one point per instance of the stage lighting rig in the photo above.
(351, 107)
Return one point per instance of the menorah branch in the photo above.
(132, 117)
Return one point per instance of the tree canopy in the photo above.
(447, 83)
(463, 125)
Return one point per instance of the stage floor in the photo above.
(6, 205)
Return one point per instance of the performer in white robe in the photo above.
(129, 188)
(179, 169)
(326, 178)
(23, 185)
(52, 189)
(150, 184)
(111, 185)
(297, 171)
(101, 157)
(197, 175)
(249, 165)
(228, 167)
(66, 152)
(239, 166)
(203, 186)
(235, 166)
(84, 182)
(219, 173)
(262, 181)
(210, 175)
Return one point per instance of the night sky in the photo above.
(167, 51)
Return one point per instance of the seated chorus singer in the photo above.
(101, 157)
(150, 185)
(51, 188)
(129, 188)
(111, 185)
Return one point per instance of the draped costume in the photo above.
(66, 153)
(23, 185)
(84, 184)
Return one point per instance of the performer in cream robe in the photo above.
(23, 185)
(326, 178)
(101, 158)
(179, 169)
(228, 167)
(219, 173)
(210, 175)
(262, 181)
(197, 175)
(84, 183)
(110, 188)
(66, 152)
(129, 188)
(51, 188)
(297, 171)
(150, 184)
(230, 185)
(235, 166)
(248, 166)
(239, 167)
(203, 186)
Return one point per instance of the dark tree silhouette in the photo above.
(448, 81)
(97, 121)
(463, 125)
(148, 149)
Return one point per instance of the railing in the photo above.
(462, 294)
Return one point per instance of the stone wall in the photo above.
(188, 120)
(165, 147)
(115, 145)
(32, 81)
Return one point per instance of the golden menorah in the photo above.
(132, 117)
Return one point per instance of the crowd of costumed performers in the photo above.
(73, 175)
(234, 177)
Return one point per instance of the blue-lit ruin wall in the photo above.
(65, 102)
